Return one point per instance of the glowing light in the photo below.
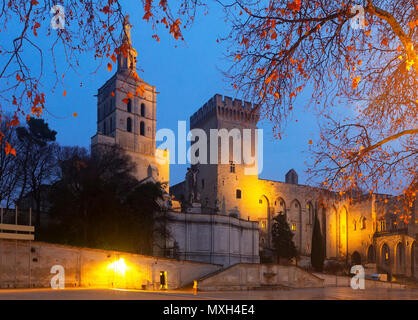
(118, 266)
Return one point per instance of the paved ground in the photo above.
(297, 294)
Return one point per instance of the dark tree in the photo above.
(317, 253)
(146, 218)
(283, 238)
(8, 169)
(98, 203)
(88, 192)
(35, 161)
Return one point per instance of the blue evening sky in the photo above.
(186, 75)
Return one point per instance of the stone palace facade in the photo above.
(226, 214)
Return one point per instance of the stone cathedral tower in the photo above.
(126, 115)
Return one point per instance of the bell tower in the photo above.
(126, 113)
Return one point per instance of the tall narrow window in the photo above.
(238, 194)
(129, 125)
(110, 126)
(363, 223)
(142, 110)
(231, 167)
(142, 128)
(129, 106)
(203, 183)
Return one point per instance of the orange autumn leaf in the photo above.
(126, 101)
(295, 6)
(129, 95)
(356, 81)
(147, 15)
(175, 29)
(9, 150)
(35, 27)
(64, 93)
(140, 90)
(109, 67)
(385, 42)
(75, 114)
(310, 142)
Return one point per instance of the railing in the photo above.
(16, 231)
(16, 228)
(392, 231)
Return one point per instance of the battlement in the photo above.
(224, 107)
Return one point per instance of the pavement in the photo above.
(330, 293)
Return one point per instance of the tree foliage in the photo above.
(318, 249)
(98, 203)
(363, 82)
(36, 161)
(282, 238)
(90, 26)
(32, 166)
(284, 48)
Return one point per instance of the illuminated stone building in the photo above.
(227, 212)
(127, 118)
(352, 229)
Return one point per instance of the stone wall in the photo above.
(25, 264)
(396, 254)
(253, 276)
(213, 238)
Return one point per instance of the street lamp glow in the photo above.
(118, 266)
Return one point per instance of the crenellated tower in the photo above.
(222, 181)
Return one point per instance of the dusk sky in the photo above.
(186, 75)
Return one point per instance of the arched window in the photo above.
(356, 258)
(129, 106)
(129, 125)
(142, 110)
(280, 206)
(385, 254)
(142, 128)
(371, 255)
